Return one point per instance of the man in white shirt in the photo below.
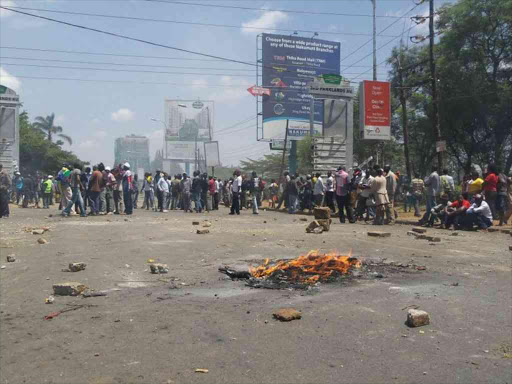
(329, 192)
(162, 188)
(478, 214)
(362, 206)
(236, 188)
(319, 190)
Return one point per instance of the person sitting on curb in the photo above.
(479, 214)
(456, 212)
(439, 211)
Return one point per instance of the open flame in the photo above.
(309, 268)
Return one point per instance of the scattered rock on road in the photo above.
(417, 318)
(287, 314)
(11, 258)
(69, 289)
(157, 268)
(75, 267)
(419, 230)
(38, 231)
(196, 223)
(303, 219)
(379, 234)
(203, 231)
(42, 241)
(206, 224)
(201, 370)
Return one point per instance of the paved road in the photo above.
(160, 328)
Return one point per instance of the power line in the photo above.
(187, 22)
(121, 64)
(272, 10)
(125, 70)
(127, 82)
(106, 54)
(380, 33)
(128, 37)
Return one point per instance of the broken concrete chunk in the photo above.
(203, 231)
(11, 258)
(325, 224)
(75, 267)
(419, 230)
(42, 241)
(303, 219)
(417, 318)
(493, 230)
(433, 239)
(379, 234)
(410, 233)
(322, 213)
(507, 231)
(157, 268)
(510, 247)
(69, 289)
(287, 314)
(38, 231)
(206, 224)
(196, 223)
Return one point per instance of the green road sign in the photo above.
(332, 79)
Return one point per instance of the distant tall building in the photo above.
(134, 150)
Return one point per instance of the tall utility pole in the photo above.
(403, 102)
(374, 2)
(436, 123)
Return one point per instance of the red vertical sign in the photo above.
(377, 110)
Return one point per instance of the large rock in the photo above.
(417, 318)
(322, 213)
(203, 231)
(69, 289)
(157, 268)
(419, 230)
(287, 314)
(75, 267)
(38, 231)
(379, 234)
(42, 241)
(11, 258)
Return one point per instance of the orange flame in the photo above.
(309, 268)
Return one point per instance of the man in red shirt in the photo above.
(456, 211)
(490, 189)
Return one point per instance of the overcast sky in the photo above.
(94, 113)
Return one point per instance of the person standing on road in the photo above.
(162, 188)
(76, 188)
(28, 191)
(5, 184)
(293, 194)
(379, 190)
(109, 190)
(196, 191)
(284, 190)
(319, 190)
(255, 192)
(135, 191)
(127, 185)
(447, 185)
(418, 189)
(391, 185)
(95, 184)
(475, 185)
(18, 187)
(236, 189)
(433, 183)
(343, 186)
(329, 192)
(186, 190)
(175, 192)
(47, 192)
(490, 188)
(501, 202)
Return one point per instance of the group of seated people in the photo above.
(461, 213)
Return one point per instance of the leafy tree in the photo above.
(48, 127)
(268, 167)
(37, 153)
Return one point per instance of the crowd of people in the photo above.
(370, 194)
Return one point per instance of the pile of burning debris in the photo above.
(309, 270)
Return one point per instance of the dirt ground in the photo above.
(161, 328)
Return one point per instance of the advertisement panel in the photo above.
(186, 119)
(289, 64)
(211, 150)
(184, 150)
(375, 107)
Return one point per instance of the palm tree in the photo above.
(45, 124)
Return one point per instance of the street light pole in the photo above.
(436, 123)
(374, 3)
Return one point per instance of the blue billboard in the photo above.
(289, 64)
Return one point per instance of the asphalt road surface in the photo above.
(161, 328)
